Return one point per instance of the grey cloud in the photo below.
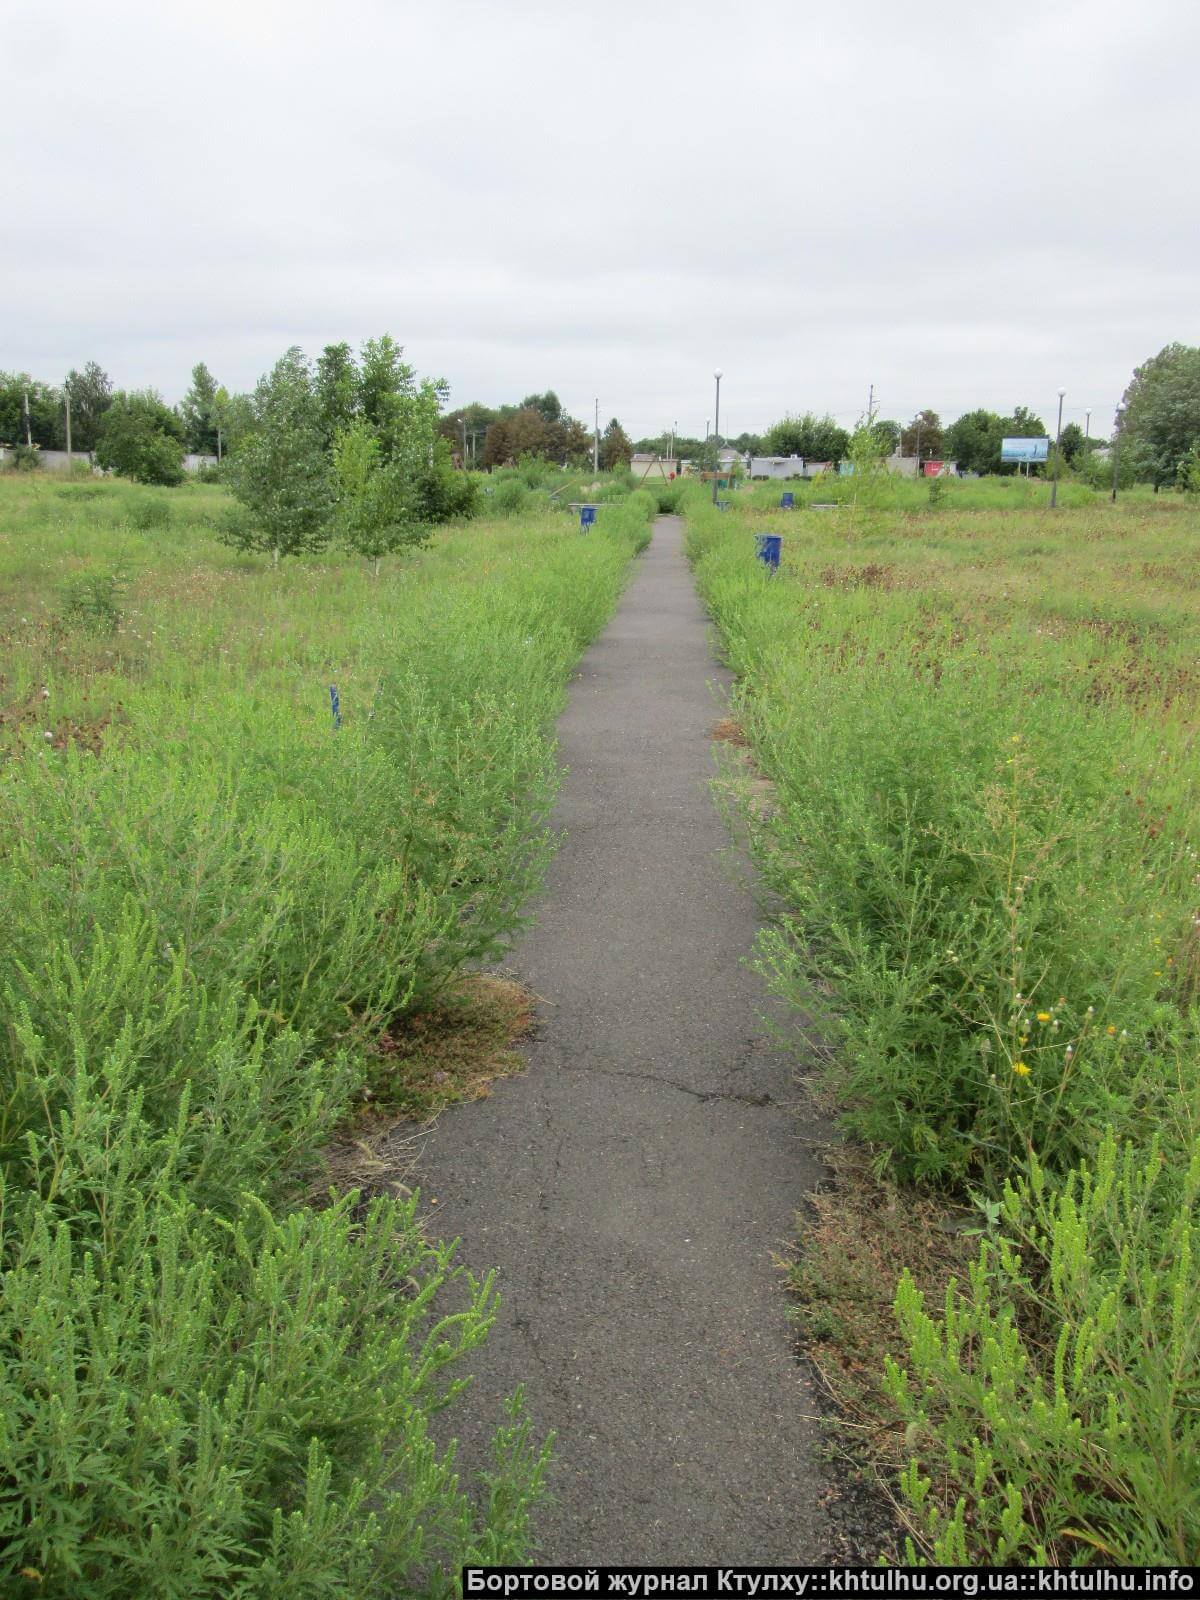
(966, 206)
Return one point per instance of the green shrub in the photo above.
(203, 926)
(150, 511)
(140, 439)
(948, 838)
(1054, 1404)
(92, 601)
(982, 825)
(23, 458)
(511, 497)
(225, 1404)
(643, 504)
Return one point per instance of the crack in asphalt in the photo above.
(704, 1096)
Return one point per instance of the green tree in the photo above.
(1072, 442)
(887, 433)
(338, 388)
(378, 506)
(1187, 474)
(45, 411)
(973, 441)
(466, 428)
(814, 438)
(91, 394)
(1160, 420)
(923, 437)
(281, 470)
(141, 438)
(442, 493)
(616, 448)
(1024, 424)
(548, 405)
(198, 409)
(525, 432)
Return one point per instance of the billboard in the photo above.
(1024, 449)
(934, 469)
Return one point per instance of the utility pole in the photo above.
(28, 435)
(1057, 452)
(67, 403)
(596, 440)
(918, 447)
(717, 435)
(1087, 424)
(871, 406)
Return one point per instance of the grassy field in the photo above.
(216, 908)
(978, 719)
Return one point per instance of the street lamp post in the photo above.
(1057, 452)
(718, 375)
(1087, 424)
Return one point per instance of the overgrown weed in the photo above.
(985, 829)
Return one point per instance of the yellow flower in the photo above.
(1021, 1070)
(1043, 1016)
(1110, 1029)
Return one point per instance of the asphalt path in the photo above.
(636, 1185)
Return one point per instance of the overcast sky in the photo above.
(964, 205)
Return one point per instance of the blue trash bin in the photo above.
(787, 500)
(767, 547)
(587, 515)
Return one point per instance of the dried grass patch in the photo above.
(861, 1233)
(448, 1052)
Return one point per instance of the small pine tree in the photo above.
(197, 411)
(616, 447)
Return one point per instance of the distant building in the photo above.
(777, 467)
(644, 465)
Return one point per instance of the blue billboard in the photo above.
(1024, 449)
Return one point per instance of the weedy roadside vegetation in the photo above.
(980, 721)
(213, 905)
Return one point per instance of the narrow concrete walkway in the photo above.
(632, 1187)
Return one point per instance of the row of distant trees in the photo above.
(137, 433)
(132, 431)
(1158, 431)
(537, 427)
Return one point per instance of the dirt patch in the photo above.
(427, 1060)
(730, 731)
(740, 779)
(860, 1234)
(871, 576)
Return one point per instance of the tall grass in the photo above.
(981, 726)
(211, 902)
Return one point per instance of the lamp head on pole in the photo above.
(718, 374)
(1061, 392)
